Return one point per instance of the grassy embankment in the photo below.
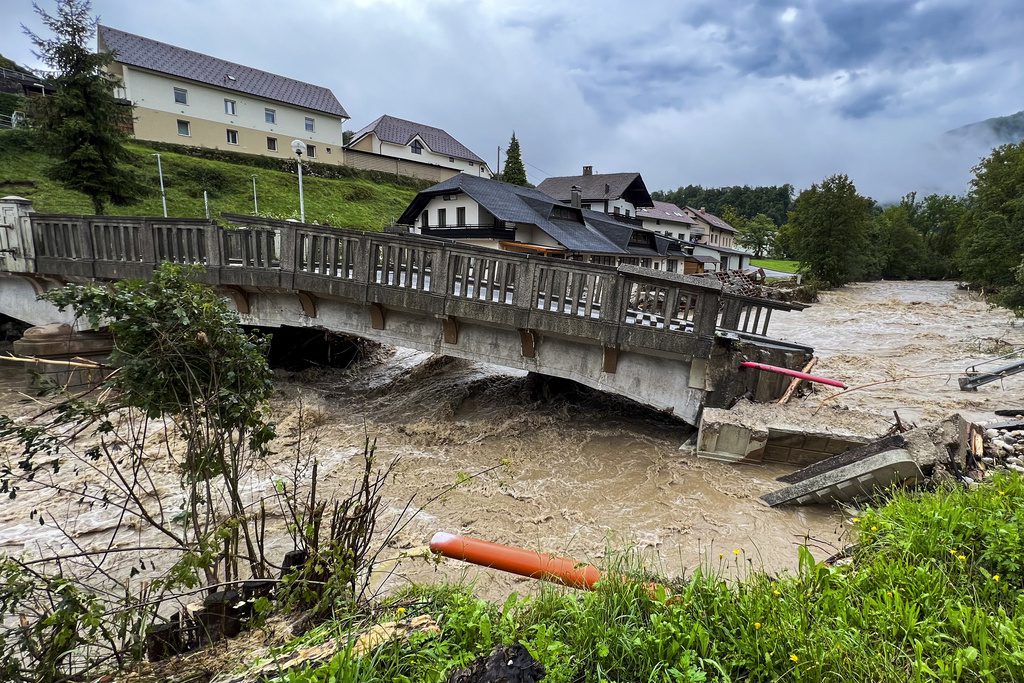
(780, 265)
(934, 593)
(361, 201)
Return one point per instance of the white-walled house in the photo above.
(620, 194)
(391, 136)
(189, 98)
(669, 220)
(719, 241)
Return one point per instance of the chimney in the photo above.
(588, 170)
(577, 195)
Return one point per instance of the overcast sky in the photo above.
(697, 91)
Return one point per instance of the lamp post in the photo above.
(298, 146)
(163, 194)
(255, 204)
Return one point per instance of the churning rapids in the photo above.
(581, 472)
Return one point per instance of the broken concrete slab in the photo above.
(852, 482)
(848, 458)
(794, 434)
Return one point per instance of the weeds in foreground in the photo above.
(934, 594)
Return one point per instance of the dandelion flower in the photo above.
(400, 612)
(757, 625)
(996, 578)
(856, 520)
(874, 528)
(736, 551)
(962, 558)
(794, 659)
(776, 593)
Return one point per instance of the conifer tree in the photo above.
(83, 124)
(514, 172)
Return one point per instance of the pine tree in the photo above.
(514, 172)
(82, 124)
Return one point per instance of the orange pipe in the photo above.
(519, 561)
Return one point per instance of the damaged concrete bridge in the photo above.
(669, 341)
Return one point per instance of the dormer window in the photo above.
(417, 147)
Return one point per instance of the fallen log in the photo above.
(796, 382)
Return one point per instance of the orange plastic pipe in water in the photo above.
(519, 561)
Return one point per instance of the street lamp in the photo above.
(163, 194)
(298, 146)
(255, 204)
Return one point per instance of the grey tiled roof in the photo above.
(711, 219)
(401, 132)
(597, 233)
(666, 212)
(153, 55)
(599, 187)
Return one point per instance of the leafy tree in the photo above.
(937, 219)
(774, 201)
(900, 251)
(757, 234)
(991, 232)
(515, 171)
(830, 226)
(83, 125)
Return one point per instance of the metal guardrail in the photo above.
(625, 306)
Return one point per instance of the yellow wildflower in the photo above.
(736, 551)
(874, 528)
(400, 612)
(856, 520)
(952, 552)
(996, 578)
(721, 555)
(776, 593)
(962, 558)
(757, 625)
(794, 658)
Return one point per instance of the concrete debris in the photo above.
(853, 482)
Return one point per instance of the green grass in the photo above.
(776, 264)
(346, 202)
(934, 593)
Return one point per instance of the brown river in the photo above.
(580, 473)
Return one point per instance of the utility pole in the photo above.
(163, 194)
(206, 204)
(497, 167)
(298, 146)
(255, 204)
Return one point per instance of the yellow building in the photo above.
(186, 97)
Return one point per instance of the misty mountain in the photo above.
(995, 131)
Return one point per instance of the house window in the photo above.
(310, 124)
(184, 128)
(672, 265)
(270, 115)
(328, 150)
(585, 206)
(417, 148)
(603, 260)
(425, 219)
(272, 144)
(645, 263)
(657, 221)
(232, 137)
(451, 159)
(311, 151)
(181, 96)
(442, 218)
(627, 213)
(615, 210)
(460, 216)
(229, 107)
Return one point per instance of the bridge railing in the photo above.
(618, 307)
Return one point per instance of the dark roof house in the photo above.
(152, 55)
(599, 187)
(402, 132)
(710, 218)
(665, 211)
(576, 230)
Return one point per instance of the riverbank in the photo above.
(932, 592)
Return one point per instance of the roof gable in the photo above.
(665, 211)
(153, 55)
(710, 218)
(402, 132)
(599, 187)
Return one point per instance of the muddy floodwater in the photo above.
(579, 472)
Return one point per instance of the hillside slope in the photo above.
(362, 201)
(998, 130)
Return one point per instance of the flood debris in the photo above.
(953, 449)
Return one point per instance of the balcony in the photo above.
(462, 232)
